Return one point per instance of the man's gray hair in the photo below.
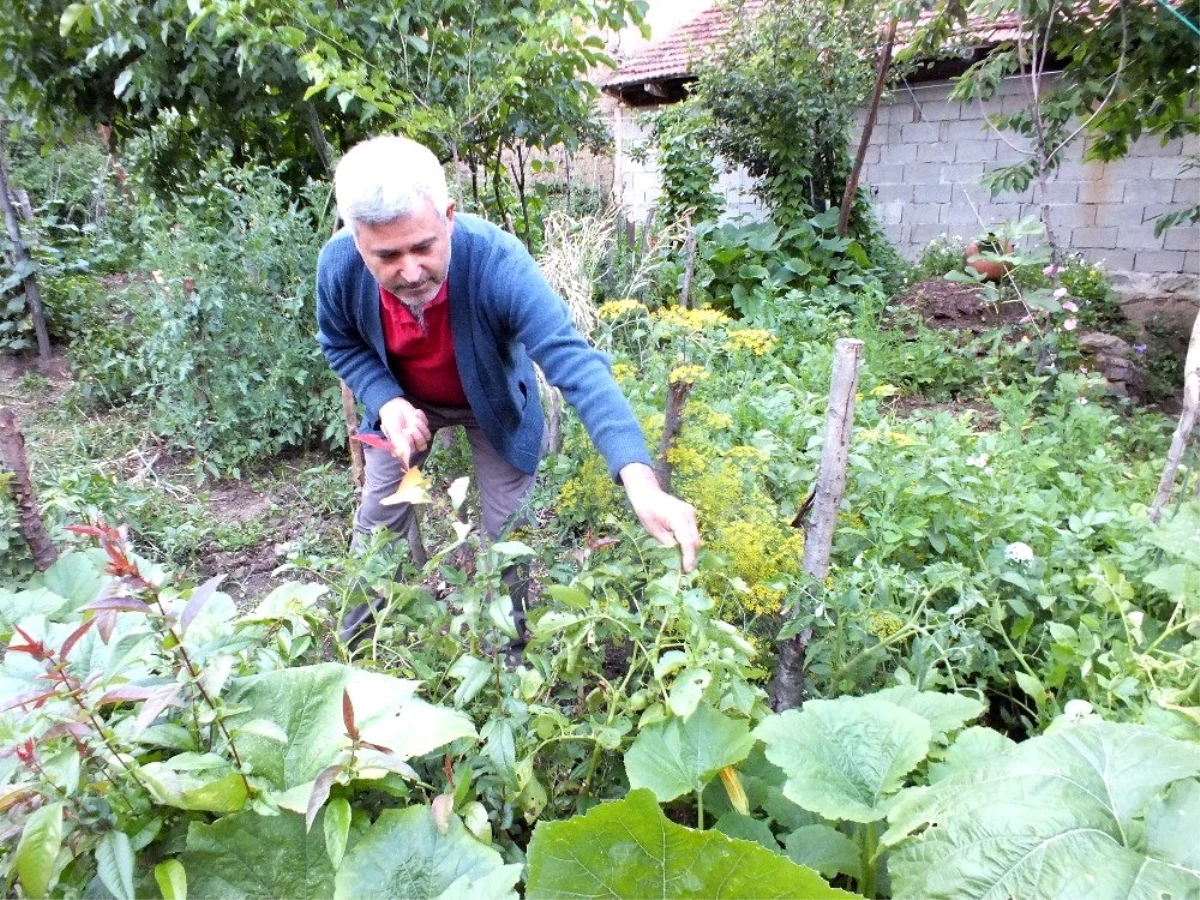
(387, 178)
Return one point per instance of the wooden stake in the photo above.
(21, 260)
(788, 690)
(677, 394)
(1187, 422)
(29, 516)
(689, 248)
(358, 465)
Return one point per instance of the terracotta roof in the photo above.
(675, 56)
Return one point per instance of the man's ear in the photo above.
(450, 215)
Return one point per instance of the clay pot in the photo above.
(989, 269)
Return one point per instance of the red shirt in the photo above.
(423, 362)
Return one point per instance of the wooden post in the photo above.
(1187, 422)
(677, 394)
(788, 690)
(848, 196)
(358, 464)
(12, 456)
(689, 248)
(22, 261)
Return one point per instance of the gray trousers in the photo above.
(503, 491)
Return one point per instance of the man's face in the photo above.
(410, 256)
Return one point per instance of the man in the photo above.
(435, 319)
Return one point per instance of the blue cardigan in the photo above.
(502, 313)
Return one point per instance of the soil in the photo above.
(949, 305)
(986, 417)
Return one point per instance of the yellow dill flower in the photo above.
(710, 419)
(757, 341)
(883, 624)
(623, 371)
(744, 453)
(685, 460)
(869, 434)
(615, 309)
(692, 319)
(687, 374)
(885, 390)
(900, 439)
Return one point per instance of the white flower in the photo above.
(979, 462)
(1060, 293)
(1135, 618)
(1070, 324)
(1019, 552)
(1083, 401)
(1077, 709)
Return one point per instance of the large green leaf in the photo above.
(41, 839)
(628, 849)
(945, 713)
(405, 855)
(76, 576)
(844, 757)
(306, 703)
(974, 747)
(205, 782)
(248, 855)
(1173, 825)
(679, 756)
(1053, 817)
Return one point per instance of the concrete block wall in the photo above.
(928, 151)
(923, 165)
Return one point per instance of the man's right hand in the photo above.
(405, 426)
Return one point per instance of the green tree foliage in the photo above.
(783, 91)
(685, 164)
(267, 81)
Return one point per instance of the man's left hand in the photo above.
(669, 520)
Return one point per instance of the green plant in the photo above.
(684, 164)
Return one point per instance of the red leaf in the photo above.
(37, 698)
(348, 715)
(74, 639)
(320, 793)
(106, 623)
(117, 604)
(84, 530)
(374, 440)
(155, 704)
(200, 596)
(126, 693)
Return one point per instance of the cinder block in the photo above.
(1014, 85)
(1008, 153)
(1164, 261)
(965, 130)
(1189, 145)
(919, 132)
(887, 193)
(891, 213)
(898, 154)
(1152, 145)
(1072, 215)
(960, 214)
(975, 151)
(886, 174)
(1062, 191)
(935, 152)
(1191, 263)
(935, 193)
(901, 113)
(1150, 191)
(1079, 171)
(999, 213)
(1108, 214)
(1152, 211)
(1172, 168)
(921, 235)
(1128, 169)
(975, 112)
(962, 173)
(1014, 103)
(919, 213)
(1138, 237)
(872, 155)
(1100, 238)
(1113, 260)
(1187, 190)
(1101, 191)
(934, 111)
(923, 173)
(1182, 237)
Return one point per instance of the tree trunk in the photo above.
(12, 455)
(1187, 422)
(317, 133)
(689, 248)
(788, 690)
(21, 260)
(677, 393)
(881, 73)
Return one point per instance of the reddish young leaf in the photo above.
(106, 623)
(126, 693)
(374, 440)
(200, 596)
(320, 793)
(348, 715)
(116, 604)
(71, 641)
(37, 698)
(153, 707)
(84, 530)
(33, 647)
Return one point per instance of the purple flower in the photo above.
(1139, 349)
(1070, 324)
(1070, 306)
